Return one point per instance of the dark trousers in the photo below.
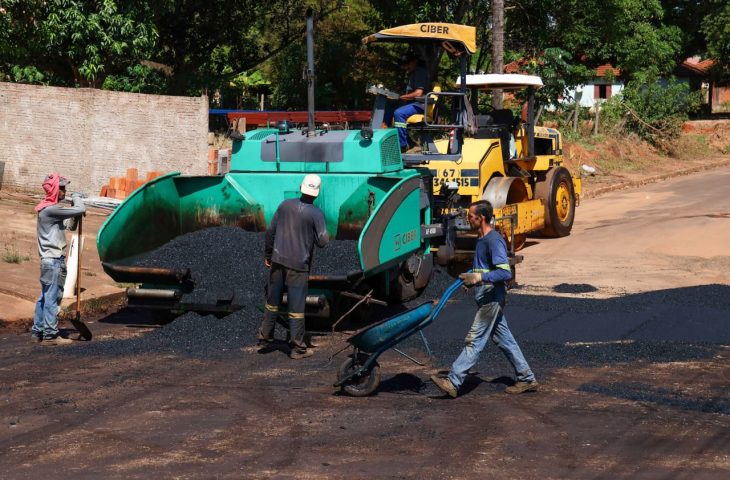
(295, 284)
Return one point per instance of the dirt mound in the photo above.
(610, 155)
(716, 133)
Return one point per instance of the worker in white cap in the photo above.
(296, 228)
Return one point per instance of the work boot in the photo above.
(299, 354)
(522, 387)
(309, 340)
(445, 385)
(35, 338)
(56, 341)
(264, 342)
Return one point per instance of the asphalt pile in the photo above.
(227, 263)
(190, 335)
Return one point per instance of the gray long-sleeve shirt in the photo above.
(53, 221)
(295, 229)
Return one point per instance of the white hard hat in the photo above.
(310, 185)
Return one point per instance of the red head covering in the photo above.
(51, 186)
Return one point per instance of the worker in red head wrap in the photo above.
(53, 221)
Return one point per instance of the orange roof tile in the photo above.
(696, 66)
(602, 70)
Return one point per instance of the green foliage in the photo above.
(234, 50)
(27, 74)
(137, 79)
(627, 33)
(716, 28)
(558, 74)
(73, 42)
(652, 109)
(343, 67)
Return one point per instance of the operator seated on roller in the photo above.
(489, 275)
(53, 221)
(418, 85)
(296, 228)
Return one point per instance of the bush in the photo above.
(654, 110)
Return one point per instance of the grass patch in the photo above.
(614, 165)
(12, 255)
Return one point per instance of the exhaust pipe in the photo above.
(153, 293)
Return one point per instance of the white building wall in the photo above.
(587, 98)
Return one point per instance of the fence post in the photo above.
(578, 95)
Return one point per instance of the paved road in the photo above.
(626, 323)
(651, 264)
(662, 236)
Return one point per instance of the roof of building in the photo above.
(694, 66)
(601, 71)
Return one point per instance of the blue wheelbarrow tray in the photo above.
(374, 337)
(374, 340)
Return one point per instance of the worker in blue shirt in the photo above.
(489, 275)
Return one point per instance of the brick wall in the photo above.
(90, 135)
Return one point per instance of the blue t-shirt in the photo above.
(492, 261)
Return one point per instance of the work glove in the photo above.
(471, 279)
(77, 199)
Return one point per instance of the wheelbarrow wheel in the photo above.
(361, 385)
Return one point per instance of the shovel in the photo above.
(84, 332)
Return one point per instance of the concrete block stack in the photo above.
(121, 187)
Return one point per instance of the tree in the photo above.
(716, 28)
(73, 42)
(497, 47)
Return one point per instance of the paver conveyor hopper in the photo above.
(367, 195)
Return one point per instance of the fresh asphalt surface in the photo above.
(630, 338)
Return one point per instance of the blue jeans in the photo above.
(489, 322)
(53, 276)
(401, 115)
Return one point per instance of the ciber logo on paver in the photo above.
(403, 238)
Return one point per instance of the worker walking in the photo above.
(489, 275)
(296, 227)
(53, 221)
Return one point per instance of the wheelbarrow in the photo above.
(359, 375)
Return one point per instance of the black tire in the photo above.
(557, 193)
(362, 385)
(404, 285)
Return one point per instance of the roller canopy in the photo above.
(506, 81)
(462, 37)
